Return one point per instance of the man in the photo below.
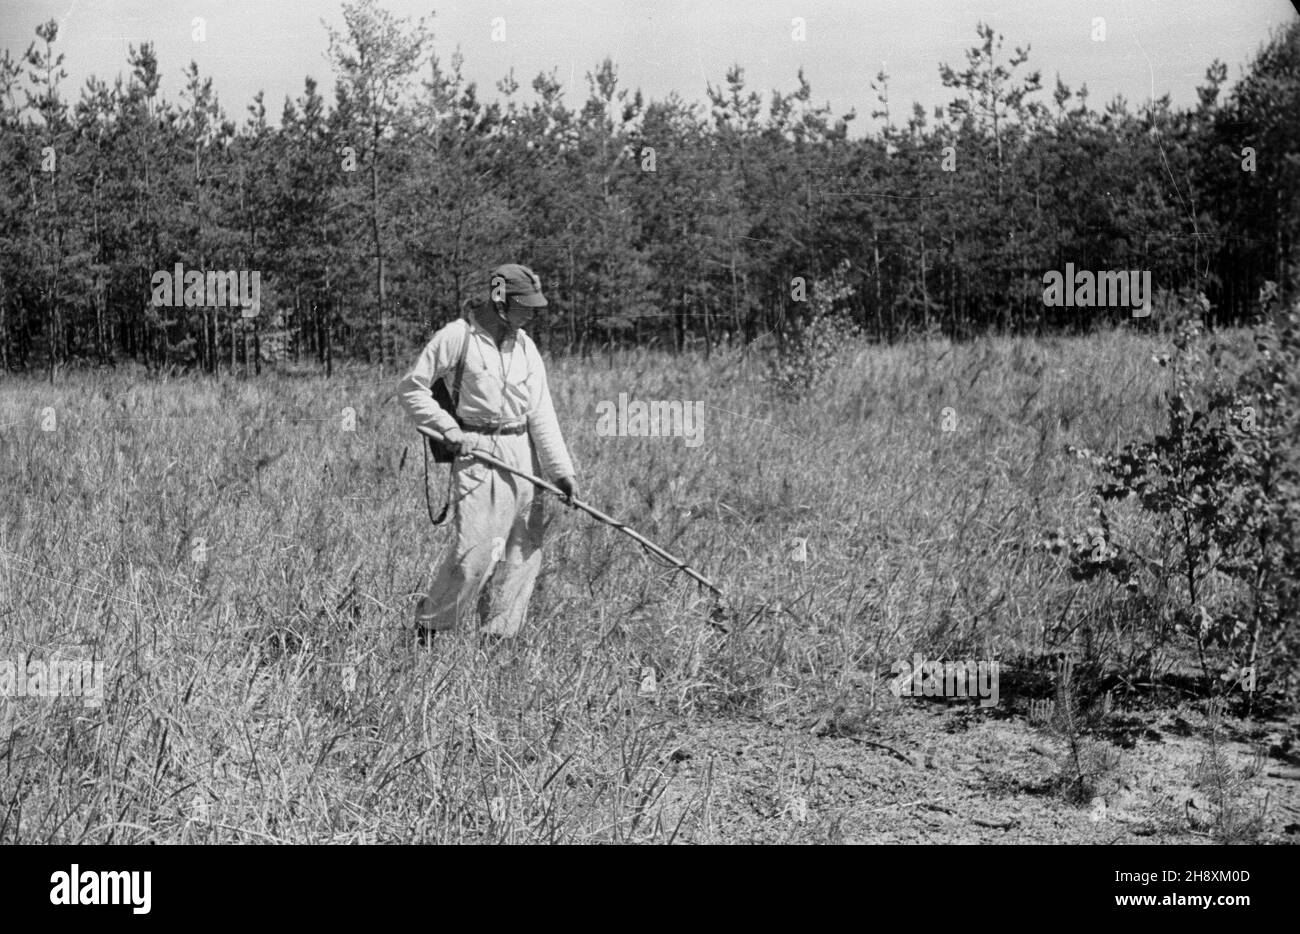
(504, 409)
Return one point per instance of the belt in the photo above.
(495, 429)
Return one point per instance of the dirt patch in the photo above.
(926, 773)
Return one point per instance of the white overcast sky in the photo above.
(665, 45)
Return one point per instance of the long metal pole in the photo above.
(590, 510)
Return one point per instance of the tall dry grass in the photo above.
(259, 687)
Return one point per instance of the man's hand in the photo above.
(459, 442)
(569, 488)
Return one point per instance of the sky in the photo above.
(1149, 48)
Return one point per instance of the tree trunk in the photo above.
(379, 253)
(329, 344)
(880, 304)
(925, 295)
(4, 334)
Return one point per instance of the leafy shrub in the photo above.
(1223, 485)
(808, 355)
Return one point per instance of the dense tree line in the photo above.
(373, 218)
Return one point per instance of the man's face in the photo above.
(518, 315)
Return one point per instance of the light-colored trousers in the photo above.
(496, 533)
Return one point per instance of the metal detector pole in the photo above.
(590, 510)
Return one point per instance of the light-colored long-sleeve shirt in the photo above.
(501, 386)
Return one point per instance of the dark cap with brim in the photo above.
(520, 283)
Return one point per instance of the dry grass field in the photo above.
(243, 567)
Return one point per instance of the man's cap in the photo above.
(521, 284)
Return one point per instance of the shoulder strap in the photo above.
(460, 371)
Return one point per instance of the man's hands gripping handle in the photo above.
(464, 447)
(569, 487)
(460, 442)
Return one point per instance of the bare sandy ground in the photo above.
(930, 773)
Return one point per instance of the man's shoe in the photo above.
(427, 618)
